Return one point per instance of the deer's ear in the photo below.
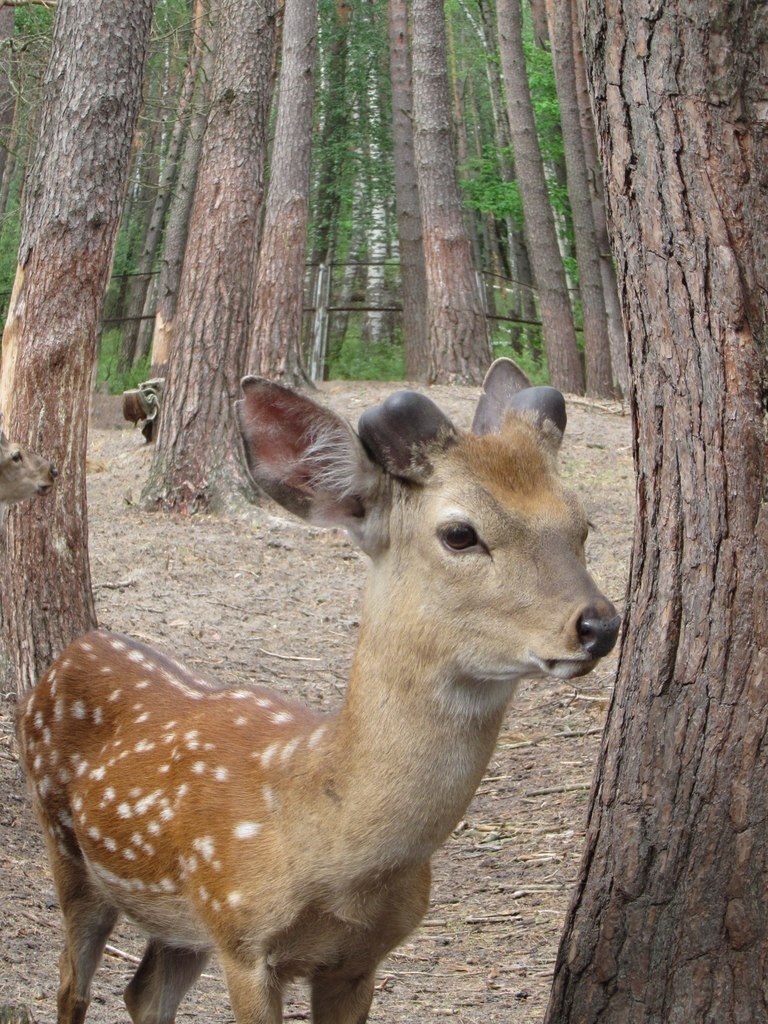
(400, 431)
(507, 389)
(306, 457)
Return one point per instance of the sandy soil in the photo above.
(265, 597)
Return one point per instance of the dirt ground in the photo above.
(264, 597)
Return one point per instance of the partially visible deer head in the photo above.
(23, 474)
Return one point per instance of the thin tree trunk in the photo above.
(565, 370)
(597, 348)
(278, 296)
(180, 210)
(669, 921)
(413, 279)
(74, 195)
(7, 98)
(197, 463)
(459, 345)
(165, 187)
(616, 335)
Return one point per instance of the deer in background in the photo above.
(294, 843)
(22, 474)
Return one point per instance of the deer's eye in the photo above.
(460, 537)
(17, 457)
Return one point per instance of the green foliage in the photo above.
(527, 353)
(109, 373)
(485, 191)
(356, 359)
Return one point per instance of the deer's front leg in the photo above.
(338, 998)
(255, 994)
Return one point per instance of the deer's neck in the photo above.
(407, 756)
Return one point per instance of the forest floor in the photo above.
(263, 596)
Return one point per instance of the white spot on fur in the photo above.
(221, 774)
(198, 767)
(289, 750)
(268, 753)
(205, 847)
(234, 899)
(282, 717)
(316, 736)
(246, 829)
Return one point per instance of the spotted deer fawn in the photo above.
(294, 843)
(22, 474)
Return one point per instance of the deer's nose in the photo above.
(598, 630)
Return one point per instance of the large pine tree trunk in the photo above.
(413, 278)
(669, 922)
(74, 195)
(278, 294)
(197, 463)
(565, 370)
(459, 345)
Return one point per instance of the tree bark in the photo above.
(278, 297)
(136, 338)
(197, 463)
(7, 98)
(616, 336)
(597, 346)
(413, 277)
(74, 195)
(565, 370)
(459, 345)
(669, 921)
(180, 210)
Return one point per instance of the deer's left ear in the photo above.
(399, 433)
(506, 389)
(308, 458)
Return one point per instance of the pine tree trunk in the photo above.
(197, 463)
(616, 337)
(180, 210)
(459, 345)
(413, 279)
(565, 370)
(74, 195)
(597, 346)
(278, 295)
(7, 98)
(669, 921)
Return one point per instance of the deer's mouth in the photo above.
(565, 668)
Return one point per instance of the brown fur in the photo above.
(293, 843)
